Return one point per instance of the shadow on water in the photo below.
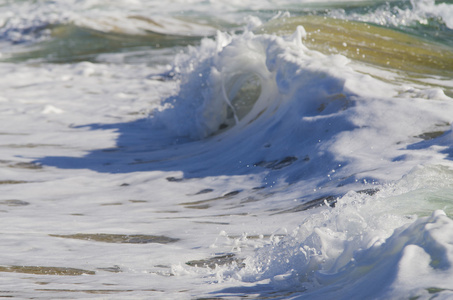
(443, 139)
(140, 147)
(258, 291)
(143, 147)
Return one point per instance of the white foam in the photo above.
(361, 248)
(80, 155)
(421, 12)
(305, 93)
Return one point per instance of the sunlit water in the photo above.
(226, 149)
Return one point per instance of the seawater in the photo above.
(280, 150)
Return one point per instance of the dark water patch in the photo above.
(223, 126)
(12, 182)
(435, 290)
(230, 194)
(14, 202)
(441, 138)
(249, 199)
(112, 204)
(201, 206)
(119, 238)
(276, 164)
(257, 237)
(26, 165)
(197, 202)
(136, 113)
(369, 192)
(265, 164)
(204, 191)
(114, 269)
(40, 270)
(430, 135)
(220, 260)
(165, 76)
(214, 223)
(138, 201)
(326, 200)
(201, 192)
(174, 179)
(6, 296)
(204, 204)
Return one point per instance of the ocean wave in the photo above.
(36, 22)
(268, 73)
(316, 105)
(304, 157)
(404, 13)
(352, 261)
(368, 246)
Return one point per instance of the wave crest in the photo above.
(237, 80)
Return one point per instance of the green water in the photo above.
(70, 43)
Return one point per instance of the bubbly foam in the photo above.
(369, 245)
(420, 12)
(365, 246)
(301, 93)
(267, 168)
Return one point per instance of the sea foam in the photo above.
(368, 246)
(268, 170)
(316, 105)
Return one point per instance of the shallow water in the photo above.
(286, 149)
